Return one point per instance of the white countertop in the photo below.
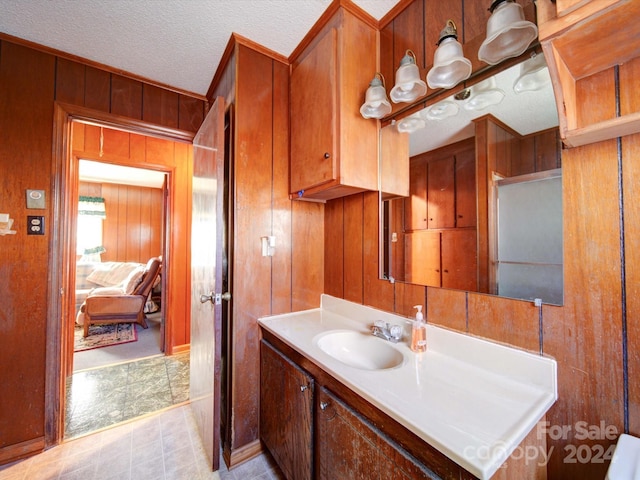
(471, 399)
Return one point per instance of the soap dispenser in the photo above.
(419, 332)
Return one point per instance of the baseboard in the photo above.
(236, 457)
(11, 453)
(178, 349)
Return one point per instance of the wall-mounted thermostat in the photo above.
(35, 199)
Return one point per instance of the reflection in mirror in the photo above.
(476, 167)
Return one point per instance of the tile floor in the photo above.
(98, 398)
(161, 446)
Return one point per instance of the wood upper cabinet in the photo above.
(459, 253)
(588, 45)
(443, 188)
(286, 413)
(334, 151)
(350, 447)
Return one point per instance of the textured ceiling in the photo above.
(174, 42)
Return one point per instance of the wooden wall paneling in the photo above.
(334, 248)
(92, 140)
(126, 97)
(406, 296)
(447, 308)
(588, 339)
(505, 320)
(77, 136)
(160, 106)
(482, 179)
(252, 220)
(178, 276)
(133, 219)
(466, 198)
(70, 81)
(397, 247)
(138, 151)
(115, 143)
(548, 148)
(526, 161)
(353, 248)
(631, 189)
(97, 94)
(309, 255)
(600, 90)
(159, 151)
(190, 113)
(282, 212)
(630, 102)
(376, 292)
(386, 58)
(408, 34)
(436, 14)
(25, 158)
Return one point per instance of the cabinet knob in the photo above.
(327, 155)
(324, 405)
(446, 271)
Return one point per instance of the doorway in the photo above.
(79, 136)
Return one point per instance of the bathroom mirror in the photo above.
(485, 207)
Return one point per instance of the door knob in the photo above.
(215, 298)
(207, 298)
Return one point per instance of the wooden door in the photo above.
(416, 204)
(206, 278)
(422, 257)
(466, 187)
(441, 193)
(286, 413)
(459, 259)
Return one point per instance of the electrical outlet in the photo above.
(35, 225)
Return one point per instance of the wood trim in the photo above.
(393, 13)
(177, 349)
(127, 124)
(243, 454)
(91, 63)
(56, 370)
(235, 41)
(21, 450)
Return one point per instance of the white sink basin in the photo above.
(360, 350)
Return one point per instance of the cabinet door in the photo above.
(459, 259)
(441, 193)
(313, 114)
(422, 256)
(286, 413)
(466, 188)
(416, 204)
(349, 447)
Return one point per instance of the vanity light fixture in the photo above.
(483, 95)
(376, 103)
(411, 124)
(449, 65)
(508, 33)
(408, 85)
(442, 110)
(534, 74)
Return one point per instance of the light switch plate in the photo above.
(35, 199)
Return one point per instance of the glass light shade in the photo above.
(449, 65)
(508, 33)
(410, 124)
(483, 95)
(409, 85)
(376, 103)
(442, 110)
(534, 75)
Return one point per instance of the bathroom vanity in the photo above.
(338, 402)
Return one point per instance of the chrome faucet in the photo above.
(389, 332)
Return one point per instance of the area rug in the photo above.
(104, 336)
